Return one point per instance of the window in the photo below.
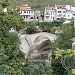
(58, 18)
(51, 17)
(61, 7)
(60, 15)
(51, 12)
(59, 11)
(57, 7)
(74, 14)
(63, 11)
(52, 8)
(63, 15)
(31, 17)
(31, 12)
(68, 15)
(47, 13)
(47, 17)
(27, 11)
(24, 16)
(24, 11)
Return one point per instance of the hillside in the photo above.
(51, 2)
(40, 3)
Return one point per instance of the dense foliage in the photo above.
(11, 60)
(40, 3)
(64, 56)
(63, 41)
(30, 27)
(67, 59)
(10, 57)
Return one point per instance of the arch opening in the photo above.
(42, 49)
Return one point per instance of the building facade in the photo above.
(49, 13)
(59, 12)
(26, 12)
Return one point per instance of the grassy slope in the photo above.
(52, 2)
(40, 2)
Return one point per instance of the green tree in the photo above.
(67, 59)
(63, 40)
(5, 4)
(13, 19)
(31, 27)
(10, 57)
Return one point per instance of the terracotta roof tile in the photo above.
(24, 7)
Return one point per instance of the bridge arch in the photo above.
(42, 49)
(39, 45)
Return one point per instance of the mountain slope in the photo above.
(40, 3)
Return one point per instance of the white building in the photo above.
(26, 12)
(49, 13)
(69, 12)
(58, 12)
(74, 19)
(64, 11)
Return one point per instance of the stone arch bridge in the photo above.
(37, 46)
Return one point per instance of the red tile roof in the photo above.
(24, 7)
(61, 5)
